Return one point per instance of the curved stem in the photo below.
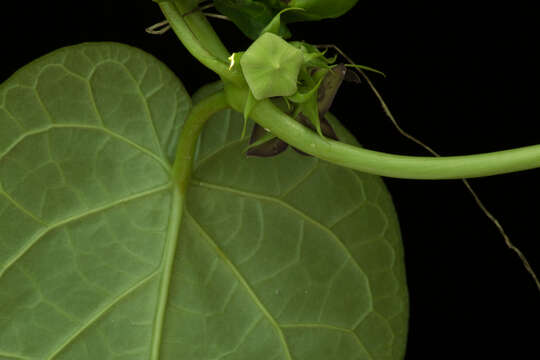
(269, 116)
(193, 38)
(202, 29)
(195, 121)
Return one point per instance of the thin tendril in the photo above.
(211, 15)
(208, 6)
(216, 16)
(429, 149)
(159, 28)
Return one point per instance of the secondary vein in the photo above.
(245, 284)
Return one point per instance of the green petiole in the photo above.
(185, 149)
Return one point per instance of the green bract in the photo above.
(271, 66)
(264, 144)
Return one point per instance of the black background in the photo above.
(464, 80)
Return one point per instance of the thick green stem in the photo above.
(283, 126)
(202, 29)
(201, 41)
(195, 121)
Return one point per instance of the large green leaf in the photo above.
(279, 258)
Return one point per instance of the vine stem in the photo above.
(284, 127)
(200, 39)
(267, 115)
(202, 42)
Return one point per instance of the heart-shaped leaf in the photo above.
(281, 258)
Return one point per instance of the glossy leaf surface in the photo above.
(281, 258)
(250, 16)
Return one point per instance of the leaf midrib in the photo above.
(167, 263)
(164, 268)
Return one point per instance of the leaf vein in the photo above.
(348, 213)
(242, 338)
(301, 180)
(146, 107)
(245, 284)
(281, 202)
(167, 268)
(328, 327)
(22, 208)
(329, 287)
(9, 356)
(107, 131)
(98, 314)
(68, 220)
(208, 157)
(10, 115)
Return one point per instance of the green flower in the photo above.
(271, 66)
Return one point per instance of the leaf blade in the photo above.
(89, 154)
(261, 270)
(226, 200)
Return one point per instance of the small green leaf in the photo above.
(250, 16)
(301, 97)
(275, 26)
(312, 56)
(316, 9)
(310, 110)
